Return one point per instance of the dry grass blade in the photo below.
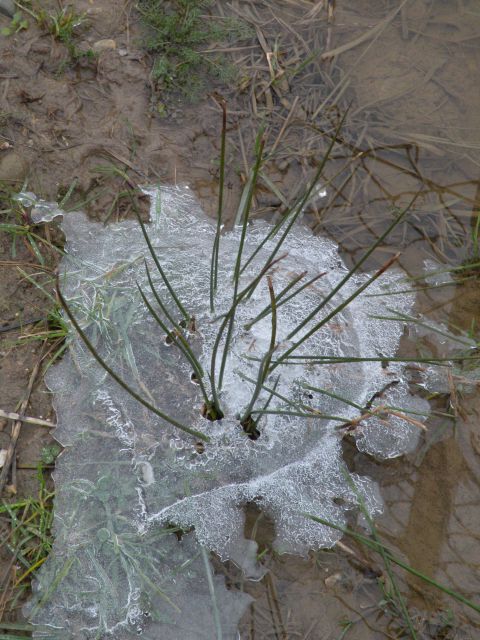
(28, 419)
(17, 427)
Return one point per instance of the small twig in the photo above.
(284, 127)
(18, 417)
(17, 427)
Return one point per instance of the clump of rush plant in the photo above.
(173, 303)
(181, 36)
(180, 332)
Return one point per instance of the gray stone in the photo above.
(13, 168)
(7, 7)
(104, 45)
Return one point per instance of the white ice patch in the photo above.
(127, 474)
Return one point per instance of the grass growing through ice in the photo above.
(50, 326)
(270, 365)
(179, 332)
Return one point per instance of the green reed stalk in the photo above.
(281, 300)
(352, 271)
(181, 308)
(296, 210)
(226, 320)
(265, 364)
(179, 341)
(216, 242)
(337, 310)
(259, 146)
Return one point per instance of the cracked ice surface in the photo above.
(126, 475)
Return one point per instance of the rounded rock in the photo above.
(104, 45)
(7, 7)
(13, 168)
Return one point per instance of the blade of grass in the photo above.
(374, 545)
(265, 364)
(298, 414)
(300, 409)
(345, 360)
(179, 341)
(272, 392)
(178, 328)
(330, 394)
(283, 300)
(15, 626)
(283, 292)
(211, 589)
(403, 317)
(398, 597)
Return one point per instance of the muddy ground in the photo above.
(413, 126)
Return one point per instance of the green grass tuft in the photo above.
(180, 34)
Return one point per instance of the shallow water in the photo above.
(415, 127)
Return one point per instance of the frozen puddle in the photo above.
(126, 477)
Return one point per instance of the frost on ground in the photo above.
(126, 477)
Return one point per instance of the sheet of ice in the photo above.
(126, 476)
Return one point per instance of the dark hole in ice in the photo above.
(199, 447)
(178, 531)
(211, 412)
(194, 378)
(249, 425)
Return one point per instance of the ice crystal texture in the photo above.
(127, 476)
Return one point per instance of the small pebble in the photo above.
(333, 580)
(7, 7)
(13, 168)
(104, 45)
